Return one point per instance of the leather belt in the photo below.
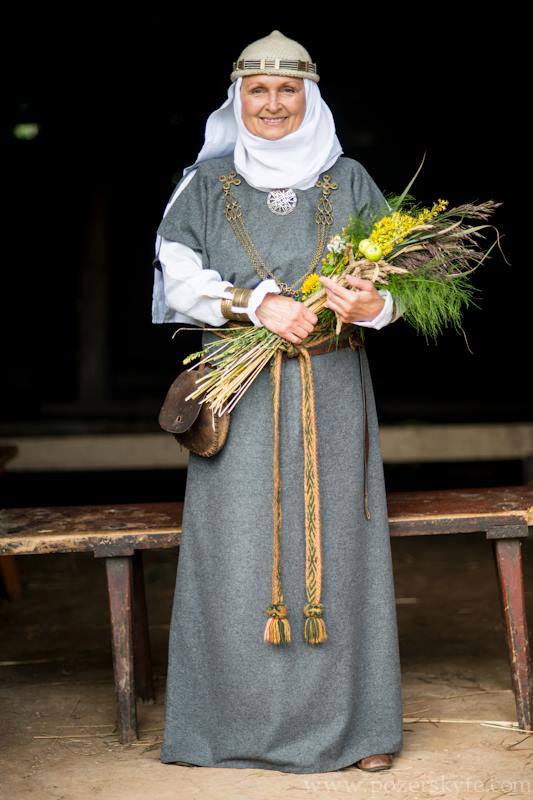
(348, 340)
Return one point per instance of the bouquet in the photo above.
(424, 256)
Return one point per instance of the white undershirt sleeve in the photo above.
(193, 291)
(196, 292)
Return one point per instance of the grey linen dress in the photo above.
(233, 700)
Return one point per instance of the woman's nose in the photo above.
(273, 102)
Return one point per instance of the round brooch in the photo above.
(282, 201)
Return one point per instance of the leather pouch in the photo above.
(193, 424)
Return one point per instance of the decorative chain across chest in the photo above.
(280, 201)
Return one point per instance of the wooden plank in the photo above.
(139, 517)
(439, 526)
(105, 530)
(119, 529)
(483, 502)
(399, 444)
(100, 546)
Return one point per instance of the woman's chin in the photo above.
(268, 132)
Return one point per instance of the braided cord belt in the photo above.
(277, 629)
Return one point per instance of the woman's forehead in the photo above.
(270, 80)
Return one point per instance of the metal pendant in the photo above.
(282, 201)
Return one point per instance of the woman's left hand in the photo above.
(349, 305)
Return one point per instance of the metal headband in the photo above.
(275, 63)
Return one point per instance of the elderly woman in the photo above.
(233, 699)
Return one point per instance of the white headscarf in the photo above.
(294, 161)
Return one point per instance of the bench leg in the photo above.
(9, 577)
(119, 587)
(144, 683)
(508, 558)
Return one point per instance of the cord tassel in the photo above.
(315, 627)
(277, 628)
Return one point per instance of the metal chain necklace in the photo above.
(323, 219)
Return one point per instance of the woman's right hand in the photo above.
(287, 317)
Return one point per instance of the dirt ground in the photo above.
(57, 703)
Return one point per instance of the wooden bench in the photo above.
(9, 577)
(119, 534)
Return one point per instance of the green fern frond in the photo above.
(431, 305)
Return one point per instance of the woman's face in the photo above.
(272, 105)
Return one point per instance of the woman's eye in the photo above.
(288, 89)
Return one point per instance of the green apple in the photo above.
(370, 249)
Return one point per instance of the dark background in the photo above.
(121, 104)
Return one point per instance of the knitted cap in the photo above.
(275, 55)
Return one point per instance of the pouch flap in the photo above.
(177, 414)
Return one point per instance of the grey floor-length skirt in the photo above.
(233, 700)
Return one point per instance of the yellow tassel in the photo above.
(277, 628)
(315, 627)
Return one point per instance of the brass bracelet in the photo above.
(225, 308)
(240, 296)
(240, 300)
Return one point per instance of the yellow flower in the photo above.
(311, 284)
(393, 229)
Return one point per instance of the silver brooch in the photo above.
(282, 201)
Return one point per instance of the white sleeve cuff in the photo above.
(384, 316)
(256, 298)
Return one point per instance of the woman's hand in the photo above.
(350, 305)
(289, 318)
